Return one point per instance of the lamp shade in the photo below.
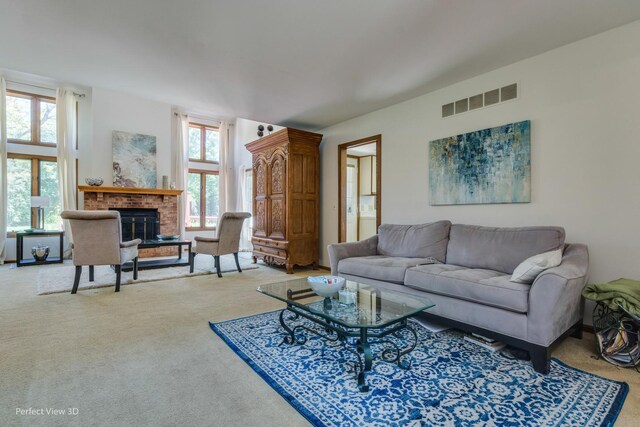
(39, 202)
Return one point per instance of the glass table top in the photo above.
(357, 306)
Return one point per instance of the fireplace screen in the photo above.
(139, 223)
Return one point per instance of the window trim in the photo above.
(35, 117)
(203, 138)
(203, 192)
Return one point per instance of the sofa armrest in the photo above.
(555, 298)
(338, 251)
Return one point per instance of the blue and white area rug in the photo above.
(451, 383)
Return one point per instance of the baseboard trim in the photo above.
(588, 328)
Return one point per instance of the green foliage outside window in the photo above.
(19, 174)
(212, 200)
(48, 122)
(18, 118)
(49, 188)
(195, 138)
(19, 194)
(193, 199)
(212, 145)
(196, 199)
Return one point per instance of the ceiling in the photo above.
(362, 150)
(303, 63)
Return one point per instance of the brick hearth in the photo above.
(167, 205)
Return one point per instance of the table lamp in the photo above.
(39, 202)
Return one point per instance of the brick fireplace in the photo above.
(164, 201)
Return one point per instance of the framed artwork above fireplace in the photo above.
(134, 160)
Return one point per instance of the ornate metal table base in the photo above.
(391, 352)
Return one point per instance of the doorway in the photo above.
(359, 188)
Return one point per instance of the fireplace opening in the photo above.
(139, 223)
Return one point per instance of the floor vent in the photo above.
(491, 97)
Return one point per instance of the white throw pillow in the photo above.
(529, 269)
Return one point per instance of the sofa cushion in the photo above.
(380, 267)
(417, 241)
(487, 287)
(500, 249)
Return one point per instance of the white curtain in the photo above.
(243, 202)
(66, 147)
(3, 171)
(223, 180)
(181, 166)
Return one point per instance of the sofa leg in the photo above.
(540, 359)
(91, 274)
(76, 279)
(577, 331)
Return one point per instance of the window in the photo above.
(203, 192)
(203, 199)
(31, 119)
(32, 176)
(204, 143)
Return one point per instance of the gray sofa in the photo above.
(466, 270)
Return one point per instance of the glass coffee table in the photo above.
(370, 322)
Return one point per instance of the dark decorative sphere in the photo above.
(260, 133)
(260, 128)
(269, 128)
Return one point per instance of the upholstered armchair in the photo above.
(226, 242)
(97, 240)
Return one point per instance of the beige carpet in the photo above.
(55, 278)
(146, 356)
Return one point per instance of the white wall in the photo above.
(118, 111)
(583, 101)
(246, 131)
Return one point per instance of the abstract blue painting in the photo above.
(486, 166)
(134, 160)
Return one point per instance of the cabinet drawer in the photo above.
(266, 250)
(280, 244)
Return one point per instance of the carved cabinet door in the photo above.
(260, 181)
(277, 208)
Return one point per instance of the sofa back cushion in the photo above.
(500, 249)
(414, 241)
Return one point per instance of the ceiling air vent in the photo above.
(491, 97)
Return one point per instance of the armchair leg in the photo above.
(235, 255)
(135, 268)
(217, 259)
(76, 280)
(91, 273)
(118, 275)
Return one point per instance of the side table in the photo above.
(20, 235)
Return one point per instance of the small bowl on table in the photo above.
(326, 286)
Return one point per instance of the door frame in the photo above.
(342, 182)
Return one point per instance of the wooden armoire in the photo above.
(286, 195)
